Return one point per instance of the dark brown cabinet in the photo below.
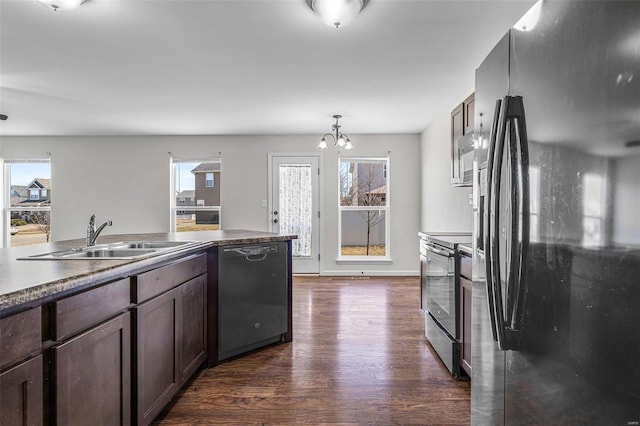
(193, 326)
(21, 388)
(157, 372)
(170, 332)
(465, 313)
(462, 124)
(93, 376)
(21, 365)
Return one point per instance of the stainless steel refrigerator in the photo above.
(556, 290)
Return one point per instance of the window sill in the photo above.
(364, 259)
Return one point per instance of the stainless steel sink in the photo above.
(118, 250)
(149, 244)
(108, 253)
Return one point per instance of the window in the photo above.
(25, 214)
(593, 199)
(195, 201)
(363, 208)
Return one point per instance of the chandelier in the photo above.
(62, 4)
(337, 13)
(340, 140)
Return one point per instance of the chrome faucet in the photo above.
(92, 232)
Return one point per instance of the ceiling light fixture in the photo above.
(340, 140)
(337, 13)
(62, 4)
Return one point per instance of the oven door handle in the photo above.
(438, 251)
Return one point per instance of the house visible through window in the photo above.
(27, 202)
(363, 208)
(196, 198)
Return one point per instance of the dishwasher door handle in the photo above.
(252, 254)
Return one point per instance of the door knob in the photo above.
(275, 220)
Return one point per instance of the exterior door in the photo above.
(295, 208)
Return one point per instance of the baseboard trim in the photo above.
(373, 273)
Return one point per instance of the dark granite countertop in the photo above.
(27, 283)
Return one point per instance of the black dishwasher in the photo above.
(252, 297)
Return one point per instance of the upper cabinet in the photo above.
(462, 143)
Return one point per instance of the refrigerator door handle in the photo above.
(520, 201)
(494, 223)
(489, 230)
(512, 125)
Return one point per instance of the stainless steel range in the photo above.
(440, 294)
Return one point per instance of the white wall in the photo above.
(444, 208)
(126, 179)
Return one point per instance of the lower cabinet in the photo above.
(21, 369)
(92, 381)
(157, 377)
(465, 312)
(193, 327)
(170, 345)
(21, 386)
(465, 347)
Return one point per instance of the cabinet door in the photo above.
(193, 330)
(457, 130)
(93, 376)
(157, 366)
(465, 321)
(469, 107)
(21, 390)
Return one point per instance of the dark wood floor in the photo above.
(359, 356)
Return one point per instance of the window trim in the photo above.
(386, 208)
(174, 207)
(5, 197)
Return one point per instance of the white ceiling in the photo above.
(193, 67)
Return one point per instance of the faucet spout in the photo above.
(92, 232)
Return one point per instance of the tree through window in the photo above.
(364, 209)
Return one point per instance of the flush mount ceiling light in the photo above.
(62, 4)
(337, 13)
(340, 140)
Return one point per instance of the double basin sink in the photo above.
(119, 250)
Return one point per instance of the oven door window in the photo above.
(440, 276)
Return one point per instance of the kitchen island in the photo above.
(111, 340)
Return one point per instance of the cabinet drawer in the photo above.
(465, 267)
(21, 336)
(84, 310)
(157, 281)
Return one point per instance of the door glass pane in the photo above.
(295, 212)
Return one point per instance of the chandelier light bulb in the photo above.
(337, 13)
(348, 145)
(341, 141)
(62, 4)
(322, 144)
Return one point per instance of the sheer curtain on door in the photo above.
(296, 206)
